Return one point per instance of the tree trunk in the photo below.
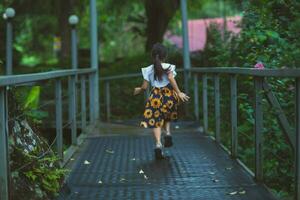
(65, 10)
(159, 13)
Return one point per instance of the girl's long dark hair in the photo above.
(159, 54)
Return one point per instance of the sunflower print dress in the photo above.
(160, 107)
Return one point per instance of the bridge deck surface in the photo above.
(116, 162)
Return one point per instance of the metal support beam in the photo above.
(83, 102)
(186, 49)
(72, 109)
(205, 102)
(59, 118)
(258, 81)
(73, 21)
(107, 97)
(283, 121)
(297, 163)
(4, 163)
(196, 97)
(94, 80)
(233, 114)
(9, 14)
(217, 107)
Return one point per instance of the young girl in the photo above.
(161, 106)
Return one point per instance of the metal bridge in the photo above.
(115, 161)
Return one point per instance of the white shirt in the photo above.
(148, 74)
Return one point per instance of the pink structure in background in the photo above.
(198, 30)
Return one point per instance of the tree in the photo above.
(159, 14)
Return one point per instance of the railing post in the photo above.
(73, 21)
(94, 78)
(9, 14)
(205, 106)
(107, 97)
(297, 163)
(83, 102)
(59, 118)
(196, 97)
(72, 109)
(258, 81)
(92, 98)
(186, 51)
(4, 163)
(233, 107)
(217, 107)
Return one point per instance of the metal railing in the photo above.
(57, 76)
(261, 87)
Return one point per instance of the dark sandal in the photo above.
(168, 141)
(158, 154)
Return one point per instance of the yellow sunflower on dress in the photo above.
(151, 122)
(155, 91)
(155, 103)
(159, 124)
(147, 104)
(167, 92)
(148, 113)
(164, 109)
(144, 124)
(174, 115)
(156, 114)
(170, 103)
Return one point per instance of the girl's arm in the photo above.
(144, 86)
(173, 82)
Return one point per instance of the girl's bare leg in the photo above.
(157, 136)
(167, 126)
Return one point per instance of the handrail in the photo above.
(25, 78)
(284, 73)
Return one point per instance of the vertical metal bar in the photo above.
(74, 48)
(186, 51)
(72, 109)
(233, 114)
(4, 163)
(196, 97)
(95, 108)
(9, 47)
(92, 98)
(258, 81)
(83, 102)
(205, 102)
(59, 118)
(217, 107)
(297, 163)
(107, 97)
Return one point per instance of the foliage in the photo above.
(268, 35)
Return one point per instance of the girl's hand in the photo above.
(137, 91)
(183, 97)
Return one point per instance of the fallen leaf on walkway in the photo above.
(87, 162)
(122, 179)
(109, 151)
(141, 171)
(233, 193)
(145, 177)
(215, 180)
(242, 192)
